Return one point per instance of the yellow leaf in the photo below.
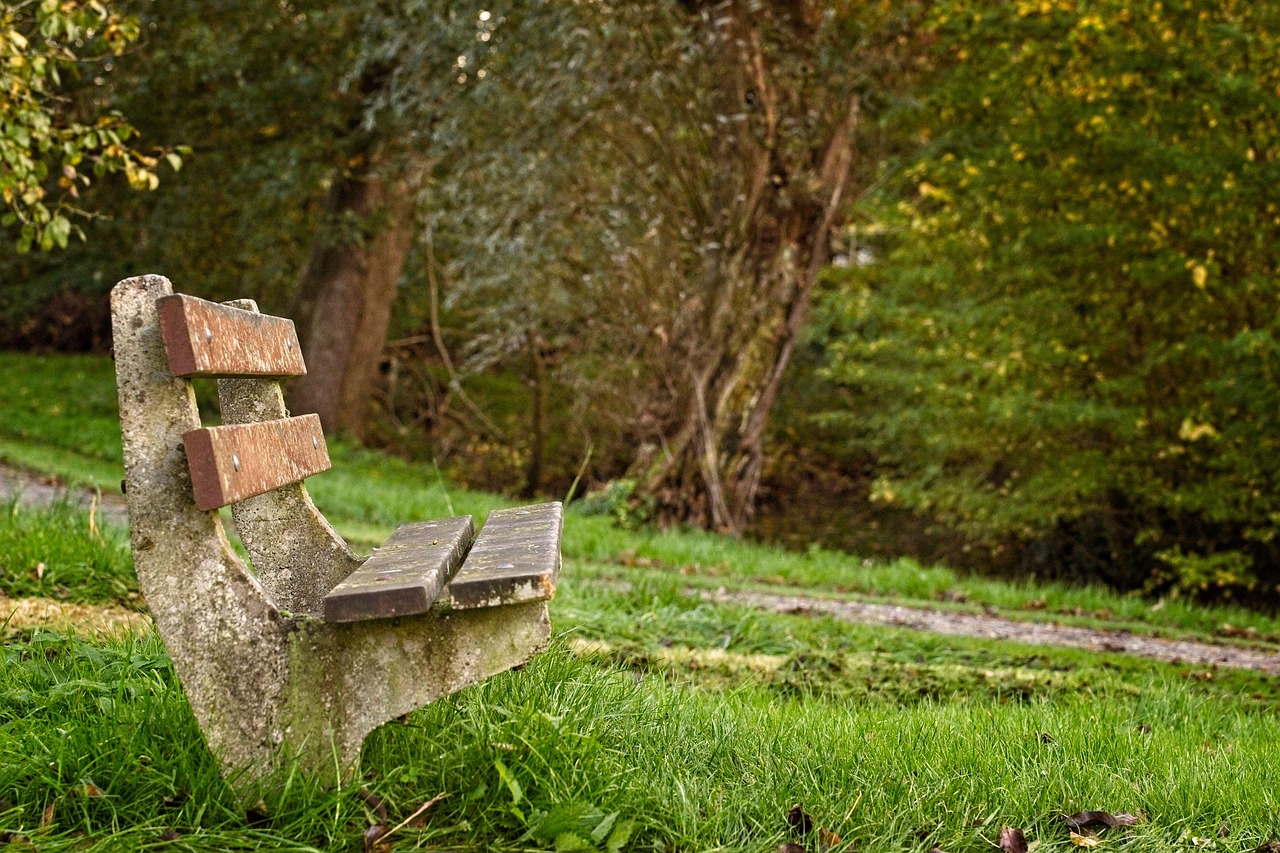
(1200, 275)
(1084, 840)
(1191, 431)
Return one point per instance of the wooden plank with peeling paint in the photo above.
(204, 338)
(405, 575)
(515, 558)
(231, 463)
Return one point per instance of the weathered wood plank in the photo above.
(405, 575)
(231, 463)
(207, 339)
(515, 558)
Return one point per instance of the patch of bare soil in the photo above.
(1000, 628)
(84, 619)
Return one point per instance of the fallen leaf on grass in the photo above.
(39, 571)
(1086, 840)
(1082, 820)
(373, 835)
(1012, 840)
(799, 821)
(826, 838)
(376, 835)
(46, 819)
(1272, 845)
(792, 847)
(257, 815)
(374, 802)
(175, 800)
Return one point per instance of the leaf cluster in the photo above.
(53, 145)
(1069, 326)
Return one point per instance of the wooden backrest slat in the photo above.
(231, 463)
(207, 339)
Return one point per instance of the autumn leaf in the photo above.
(799, 821)
(1012, 840)
(1085, 819)
(373, 835)
(374, 803)
(1086, 840)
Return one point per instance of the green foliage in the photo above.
(60, 552)
(617, 500)
(51, 146)
(559, 748)
(1070, 323)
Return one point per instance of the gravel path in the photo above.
(1000, 628)
(34, 490)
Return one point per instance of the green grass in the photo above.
(657, 627)
(657, 721)
(54, 552)
(100, 733)
(63, 420)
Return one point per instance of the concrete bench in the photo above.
(305, 653)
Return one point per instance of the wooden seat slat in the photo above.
(231, 463)
(405, 575)
(204, 338)
(515, 558)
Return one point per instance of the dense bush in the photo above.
(1066, 328)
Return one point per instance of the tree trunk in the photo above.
(343, 305)
(775, 243)
(537, 417)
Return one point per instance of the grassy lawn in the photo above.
(657, 721)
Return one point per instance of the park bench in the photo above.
(303, 655)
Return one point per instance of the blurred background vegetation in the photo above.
(983, 282)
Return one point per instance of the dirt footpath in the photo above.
(1000, 628)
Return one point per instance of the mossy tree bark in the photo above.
(344, 299)
(783, 199)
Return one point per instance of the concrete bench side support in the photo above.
(265, 682)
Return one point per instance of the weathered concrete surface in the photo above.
(265, 682)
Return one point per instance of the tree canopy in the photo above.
(1070, 325)
(53, 143)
